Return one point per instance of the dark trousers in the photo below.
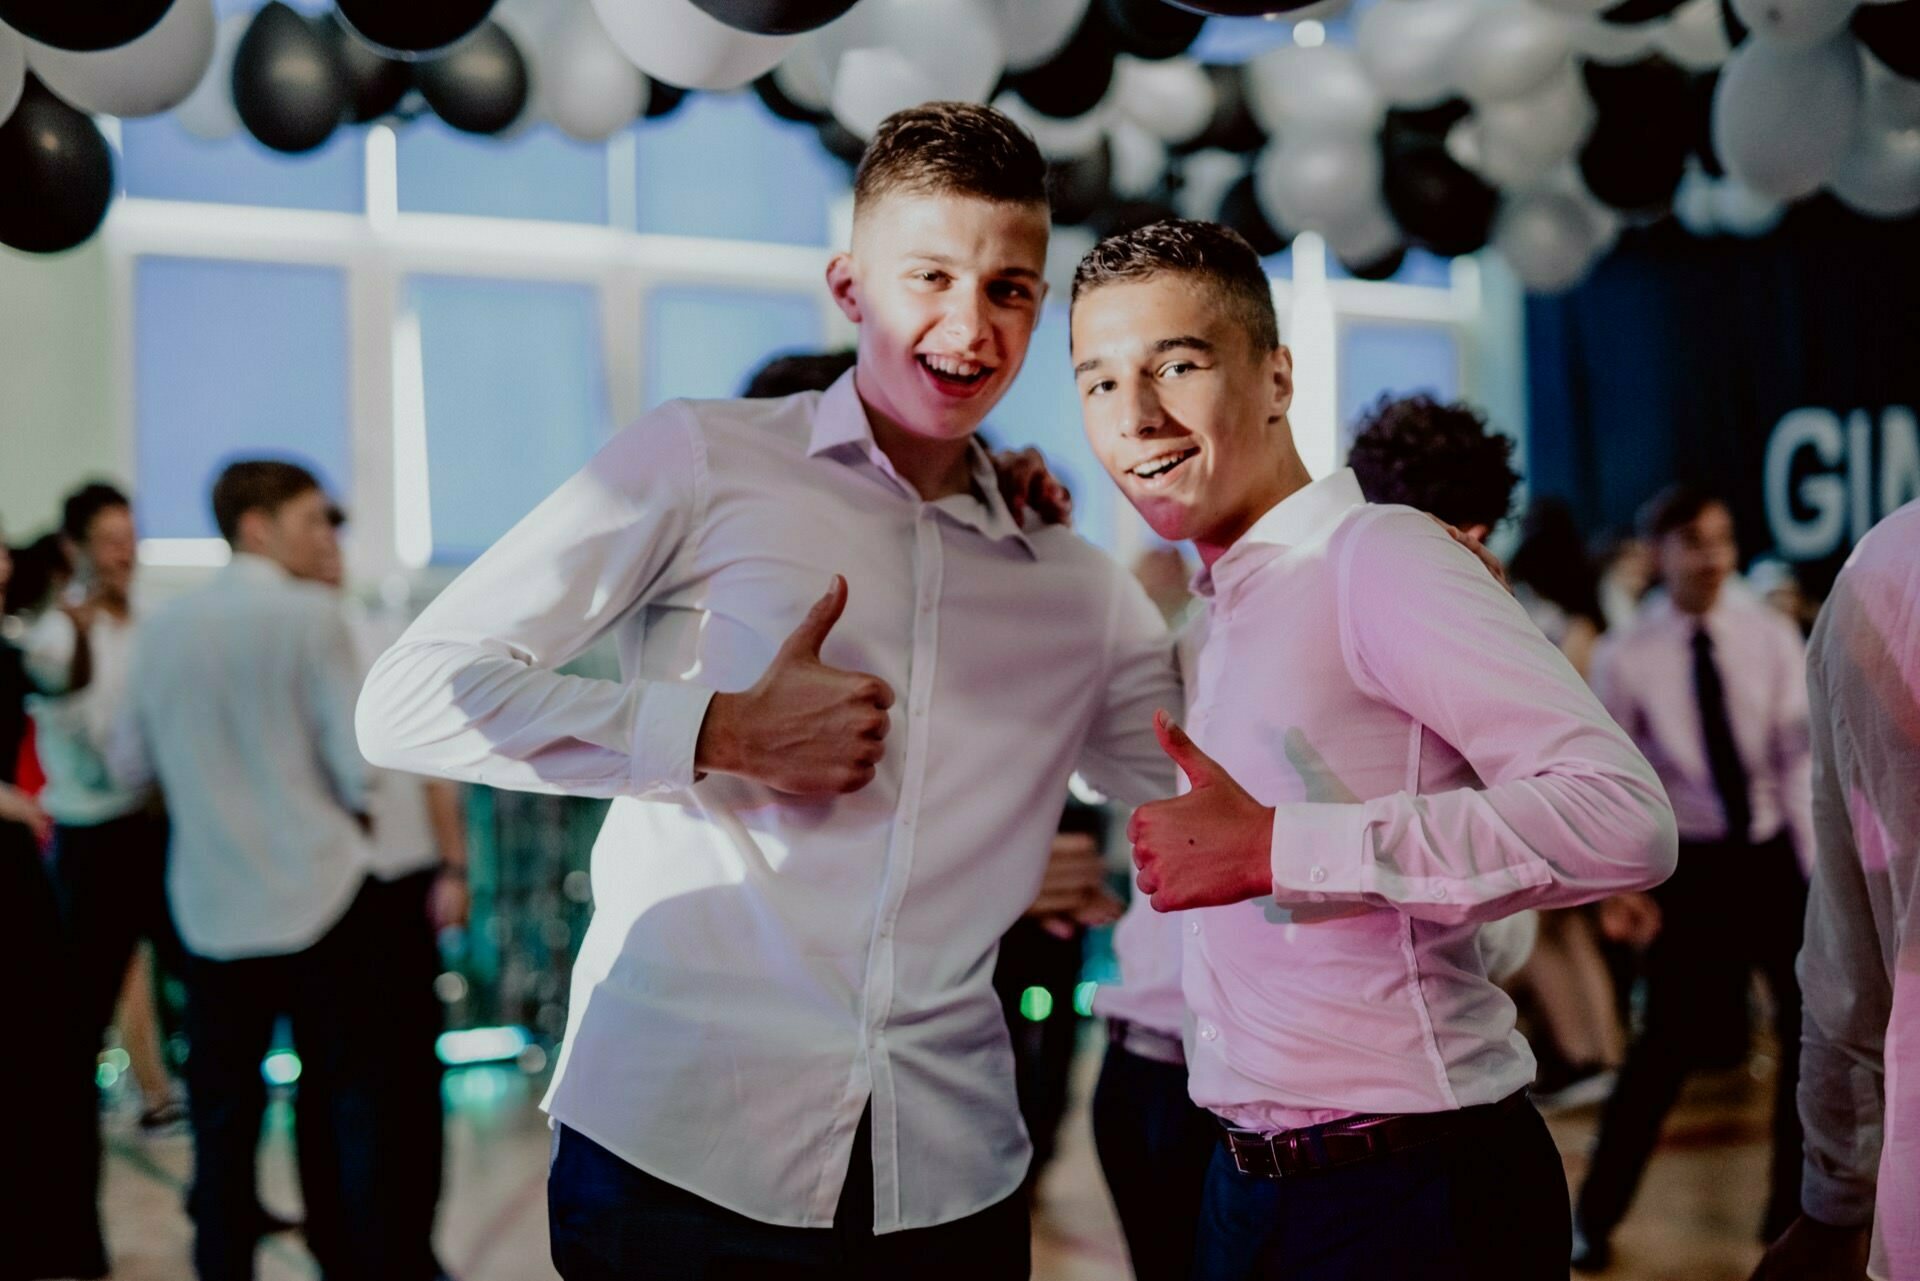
(112, 883)
(612, 1222)
(361, 1224)
(50, 1160)
(1489, 1204)
(1727, 911)
(1030, 957)
(1155, 1145)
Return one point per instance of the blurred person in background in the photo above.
(1711, 683)
(110, 842)
(1860, 966)
(1625, 565)
(49, 1216)
(1556, 582)
(1440, 458)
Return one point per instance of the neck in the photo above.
(1285, 476)
(1696, 606)
(935, 468)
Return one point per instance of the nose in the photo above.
(1144, 414)
(966, 321)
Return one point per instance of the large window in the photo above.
(1397, 360)
(704, 342)
(539, 173)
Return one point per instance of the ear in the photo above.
(1280, 368)
(843, 286)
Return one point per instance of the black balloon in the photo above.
(1118, 217)
(289, 86)
(1381, 268)
(841, 142)
(480, 86)
(56, 174)
(1241, 8)
(1631, 13)
(1437, 202)
(1081, 187)
(1074, 80)
(1891, 33)
(1240, 210)
(407, 28)
(375, 83)
(1635, 156)
(775, 17)
(663, 99)
(1152, 28)
(1736, 29)
(1232, 127)
(1700, 137)
(775, 99)
(83, 25)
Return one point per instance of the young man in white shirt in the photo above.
(854, 689)
(1420, 760)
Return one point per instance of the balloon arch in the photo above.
(1541, 127)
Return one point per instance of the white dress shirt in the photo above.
(242, 708)
(759, 967)
(1433, 762)
(1860, 965)
(71, 729)
(1644, 676)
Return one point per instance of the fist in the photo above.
(805, 728)
(1208, 847)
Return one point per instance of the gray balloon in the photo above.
(1783, 117)
(288, 84)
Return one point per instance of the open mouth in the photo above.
(954, 371)
(1161, 466)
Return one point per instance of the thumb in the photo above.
(812, 632)
(1194, 763)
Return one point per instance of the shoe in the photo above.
(1590, 1254)
(1591, 1086)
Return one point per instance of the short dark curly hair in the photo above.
(955, 148)
(1441, 458)
(1205, 251)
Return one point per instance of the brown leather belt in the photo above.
(1353, 1139)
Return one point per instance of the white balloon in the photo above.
(1880, 174)
(588, 89)
(1317, 184)
(1321, 92)
(1548, 239)
(143, 77)
(1522, 138)
(1693, 201)
(1610, 43)
(1739, 209)
(1139, 160)
(1889, 100)
(1783, 117)
(872, 84)
(1510, 49)
(1320, 11)
(1797, 23)
(955, 43)
(675, 41)
(1172, 100)
(802, 80)
(1407, 47)
(1035, 30)
(1575, 8)
(1368, 235)
(1695, 36)
(13, 70)
(815, 58)
(208, 111)
(1205, 177)
(1057, 139)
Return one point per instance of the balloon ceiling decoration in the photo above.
(1538, 128)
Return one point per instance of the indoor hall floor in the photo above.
(1695, 1219)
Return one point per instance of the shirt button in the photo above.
(1209, 1032)
(1439, 893)
(1317, 875)
(1193, 927)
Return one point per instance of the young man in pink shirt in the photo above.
(1393, 755)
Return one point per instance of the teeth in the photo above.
(1163, 464)
(953, 366)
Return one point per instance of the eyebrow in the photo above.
(943, 260)
(1189, 342)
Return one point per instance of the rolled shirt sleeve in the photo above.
(470, 691)
(1570, 810)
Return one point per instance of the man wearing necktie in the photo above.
(1711, 684)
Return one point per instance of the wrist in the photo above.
(717, 750)
(1258, 858)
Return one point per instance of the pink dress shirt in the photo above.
(1644, 675)
(1434, 763)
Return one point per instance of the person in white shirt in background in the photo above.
(1424, 760)
(1711, 683)
(419, 866)
(853, 691)
(1860, 965)
(242, 710)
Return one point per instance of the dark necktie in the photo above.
(1729, 775)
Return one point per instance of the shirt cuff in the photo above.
(1319, 850)
(1836, 1202)
(666, 731)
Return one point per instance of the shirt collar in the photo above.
(1300, 517)
(256, 569)
(840, 419)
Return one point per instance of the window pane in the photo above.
(161, 160)
(515, 400)
(233, 358)
(704, 342)
(723, 165)
(1043, 409)
(539, 174)
(1397, 359)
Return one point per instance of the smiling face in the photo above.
(1181, 405)
(946, 290)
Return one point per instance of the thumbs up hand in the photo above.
(804, 728)
(1208, 847)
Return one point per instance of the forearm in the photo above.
(448, 822)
